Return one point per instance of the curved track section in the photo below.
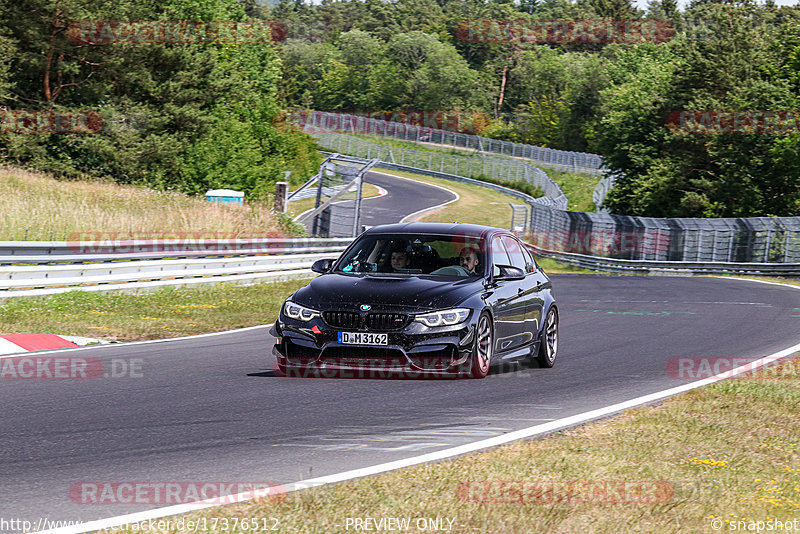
(403, 197)
(211, 408)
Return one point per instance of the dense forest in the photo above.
(611, 98)
(183, 116)
(189, 116)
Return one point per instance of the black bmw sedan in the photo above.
(421, 299)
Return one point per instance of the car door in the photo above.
(533, 284)
(510, 306)
(542, 284)
(528, 288)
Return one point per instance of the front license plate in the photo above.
(363, 338)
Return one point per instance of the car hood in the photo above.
(348, 292)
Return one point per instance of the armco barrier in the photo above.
(699, 241)
(43, 268)
(671, 268)
(347, 123)
(446, 165)
(453, 177)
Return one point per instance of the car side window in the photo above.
(499, 255)
(515, 253)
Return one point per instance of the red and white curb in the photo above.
(17, 343)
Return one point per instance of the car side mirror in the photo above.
(322, 266)
(507, 272)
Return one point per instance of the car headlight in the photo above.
(301, 313)
(444, 317)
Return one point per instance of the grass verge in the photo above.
(36, 206)
(718, 455)
(773, 279)
(552, 266)
(578, 188)
(168, 312)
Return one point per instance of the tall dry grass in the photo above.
(36, 206)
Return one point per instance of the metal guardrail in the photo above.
(448, 165)
(669, 268)
(722, 240)
(43, 268)
(453, 177)
(95, 247)
(26, 274)
(600, 192)
(564, 160)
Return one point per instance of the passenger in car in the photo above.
(399, 259)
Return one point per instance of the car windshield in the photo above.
(416, 254)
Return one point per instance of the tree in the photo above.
(434, 76)
(170, 110)
(738, 67)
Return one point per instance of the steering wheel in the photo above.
(451, 270)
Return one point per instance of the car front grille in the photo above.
(386, 321)
(342, 319)
(372, 321)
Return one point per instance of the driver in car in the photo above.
(468, 259)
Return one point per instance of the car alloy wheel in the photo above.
(484, 346)
(548, 347)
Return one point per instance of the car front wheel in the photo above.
(548, 346)
(484, 345)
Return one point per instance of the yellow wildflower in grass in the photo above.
(711, 462)
(782, 446)
(195, 306)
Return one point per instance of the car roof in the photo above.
(434, 228)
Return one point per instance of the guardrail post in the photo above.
(766, 248)
(281, 193)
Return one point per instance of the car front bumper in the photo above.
(312, 348)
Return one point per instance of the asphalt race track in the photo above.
(403, 197)
(211, 408)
